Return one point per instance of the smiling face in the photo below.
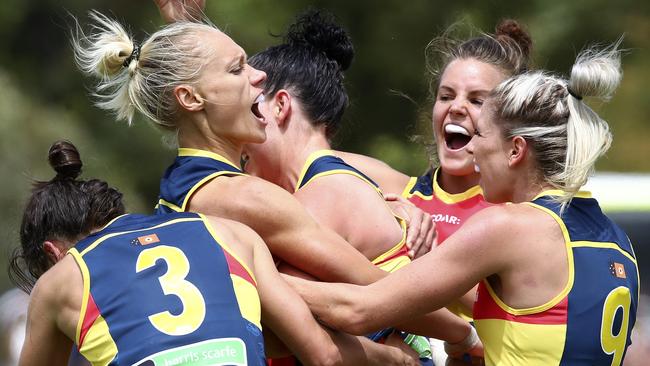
(490, 153)
(231, 90)
(464, 86)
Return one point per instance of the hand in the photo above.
(406, 355)
(421, 231)
(179, 10)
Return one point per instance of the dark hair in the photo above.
(310, 64)
(507, 49)
(63, 208)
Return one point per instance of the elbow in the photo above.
(357, 320)
(328, 355)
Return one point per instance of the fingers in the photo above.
(414, 238)
(429, 241)
(411, 357)
(424, 238)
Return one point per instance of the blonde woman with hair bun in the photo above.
(193, 80)
(559, 283)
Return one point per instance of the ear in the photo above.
(281, 106)
(54, 250)
(518, 151)
(188, 98)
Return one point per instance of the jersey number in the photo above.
(618, 298)
(173, 283)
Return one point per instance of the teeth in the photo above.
(259, 99)
(451, 128)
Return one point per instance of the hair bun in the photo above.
(318, 30)
(65, 160)
(512, 29)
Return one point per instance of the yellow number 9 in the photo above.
(615, 343)
(173, 283)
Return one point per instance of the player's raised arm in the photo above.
(180, 10)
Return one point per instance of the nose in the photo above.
(458, 107)
(257, 76)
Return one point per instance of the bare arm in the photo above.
(289, 231)
(389, 179)
(293, 236)
(180, 10)
(51, 317)
(289, 317)
(421, 230)
(426, 284)
(357, 212)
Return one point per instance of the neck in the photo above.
(527, 185)
(455, 184)
(189, 138)
(296, 153)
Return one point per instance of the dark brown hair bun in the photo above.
(512, 29)
(65, 160)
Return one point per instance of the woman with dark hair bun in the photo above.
(203, 279)
(59, 212)
(305, 99)
(304, 102)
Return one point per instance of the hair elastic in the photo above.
(574, 94)
(135, 55)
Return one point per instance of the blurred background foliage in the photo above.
(44, 98)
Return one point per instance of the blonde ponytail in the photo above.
(141, 78)
(566, 136)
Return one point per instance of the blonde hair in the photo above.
(566, 135)
(170, 57)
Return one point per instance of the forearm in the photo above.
(326, 256)
(440, 324)
(273, 345)
(337, 305)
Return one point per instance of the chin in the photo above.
(258, 138)
(458, 168)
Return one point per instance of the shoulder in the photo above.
(224, 195)
(58, 287)
(496, 225)
(236, 236)
(233, 230)
(338, 183)
(389, 179)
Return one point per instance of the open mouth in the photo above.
(456, 137)
(255, 108)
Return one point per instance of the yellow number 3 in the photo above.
(615, 343)
(173, 283)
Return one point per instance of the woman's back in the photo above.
(593, 312)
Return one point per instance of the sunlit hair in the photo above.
(507, 49)
(170, 57)
(566, 136)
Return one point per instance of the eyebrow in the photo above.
(444, 88)
(237, 60)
